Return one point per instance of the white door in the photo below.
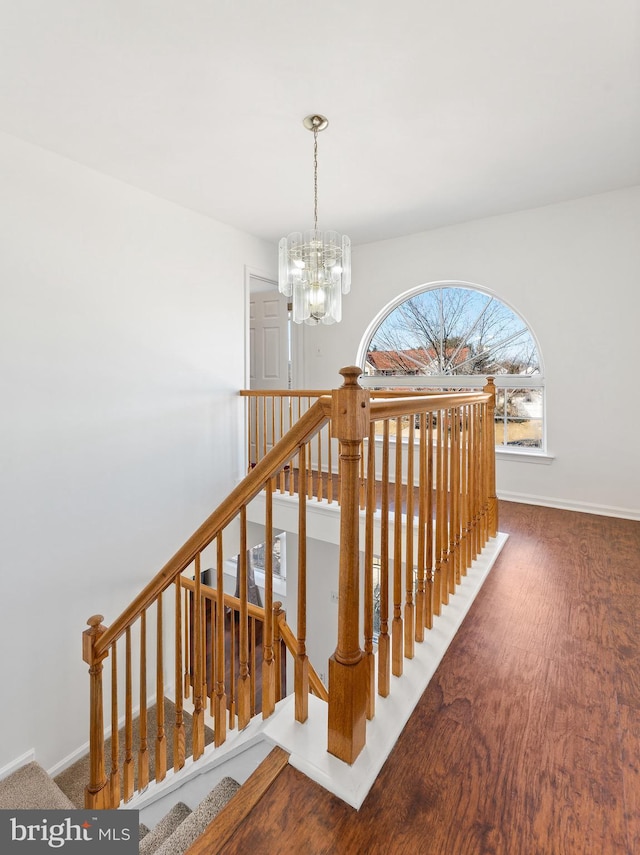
(269, 357)
(269, 366)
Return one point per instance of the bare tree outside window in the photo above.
(459, 332)
(454, 330)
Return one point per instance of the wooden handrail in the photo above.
(393, 407)
(247, 489)
(210, 593)
(291, 642)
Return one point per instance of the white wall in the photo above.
(122, 350)
(573, 271)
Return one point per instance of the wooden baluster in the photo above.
(320, 488)
(474, 482)
(291, 462)
(439, 508)
(247, 410)
(310, 470)
(128, 771)
(409, 607)
(143, 750)
(161, 740)
(97, 794)
(454, 530)
(368, 573)
(429, 606)
(198, 705)
(273, 421)
(220, 700)
(252, 666)
(179, 745)
(232, 670)
(264, 433)
(188, 633)
(268, 664)
(203, 618)
(446, 510)
(463, 490)
(115, 744)
(347, 667)
(485, 475)
(244, 686)
(384, 642)
(490, 389)
(329, 464)
(277, 649)
(482, 463)
(397, 638)
(281, 475)
(470, 486)
(301, 664)
(211, 679)
(256, 430)
(421, 564)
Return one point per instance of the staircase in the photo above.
(416, 500)
(30, 787)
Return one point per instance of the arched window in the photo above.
(452, 336)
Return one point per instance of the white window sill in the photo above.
(524, 456)
(521, 455)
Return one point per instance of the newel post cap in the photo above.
(89, 638)
(350, 374)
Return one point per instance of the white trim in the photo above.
(570, 505)
(523, 456)
(457, 381)
(18, 763)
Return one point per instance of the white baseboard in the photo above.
(570, 505)
(18, 763)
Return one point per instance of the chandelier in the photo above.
(315, 266)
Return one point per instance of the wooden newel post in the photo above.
(491, 462)
(97, 793)
(347, 667)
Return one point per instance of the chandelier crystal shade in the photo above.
(315, 266)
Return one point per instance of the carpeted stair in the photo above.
(30, 788)
(165, 828)
(195, 823)
(74, 779)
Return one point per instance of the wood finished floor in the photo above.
(527, 740)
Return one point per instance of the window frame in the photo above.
(461, 381)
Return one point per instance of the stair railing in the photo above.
(420, 470)
(147, 618)
(430, 507)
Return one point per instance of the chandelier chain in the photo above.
(315, 178)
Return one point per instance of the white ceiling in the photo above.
(440, 111)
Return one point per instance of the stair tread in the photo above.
(30, 788)
(164, 829)
(194, 825)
